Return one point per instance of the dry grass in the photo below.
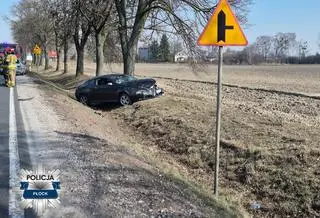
(270, 141)
(269, 150)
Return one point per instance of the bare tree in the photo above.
(169, 16)
(62, 20)
(282, 42)
(33, 14)
(82, 30)
(264, 44)
(112, 47)
(44, 29)
(82, 17)
(97, 14)
(302, 49)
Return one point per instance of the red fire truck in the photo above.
(17, 48)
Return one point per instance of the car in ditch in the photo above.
(116, 88)
(21, 68)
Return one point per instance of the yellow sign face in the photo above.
(223, 28)
(37, 50)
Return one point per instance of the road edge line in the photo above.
(14, 164)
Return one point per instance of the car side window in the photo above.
(102, 82)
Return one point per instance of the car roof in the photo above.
(108, 75)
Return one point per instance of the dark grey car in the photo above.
(120, 88)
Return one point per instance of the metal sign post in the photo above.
(221, 30)
(219, 86)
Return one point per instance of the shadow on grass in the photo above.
(106, 107)
(65, 81)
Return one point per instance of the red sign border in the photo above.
(207, 26)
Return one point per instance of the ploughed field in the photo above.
(289, 78)
(270, 149)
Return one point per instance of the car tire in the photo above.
(84, 100)
(124, 99)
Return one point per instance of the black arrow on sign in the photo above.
(222, 26)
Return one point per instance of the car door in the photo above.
(105, 90)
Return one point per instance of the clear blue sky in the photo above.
(271, 16)
(5, 10)
(266, 16)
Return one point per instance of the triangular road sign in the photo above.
(37, 50)
(223, 28)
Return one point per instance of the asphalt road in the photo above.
(14, 154)
(4, 149)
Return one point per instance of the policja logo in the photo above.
(40, 189)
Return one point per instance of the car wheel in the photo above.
(84, 100)
(125, 99)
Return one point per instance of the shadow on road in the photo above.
(25, 99)
(3, 84)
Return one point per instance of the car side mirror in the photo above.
(109, 83)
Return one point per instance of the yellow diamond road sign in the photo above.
(37, 50)
(223, 28)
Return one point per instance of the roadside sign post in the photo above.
(218, 117)
(222, 29)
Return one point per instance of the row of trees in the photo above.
(280, 48)
(55, 24)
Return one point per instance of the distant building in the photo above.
(29, 57)
(144, 54)
(181, 56)
(52, 54)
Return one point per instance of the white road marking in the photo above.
(14, 208)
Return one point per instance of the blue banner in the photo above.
(39, 193)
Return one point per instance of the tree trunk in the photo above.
(80, 44)
(100, 37)
(129, 59)
(65, 56)
(57, 51)
(46, 60)
(80, 61)
(58, 60)
(41, 60)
